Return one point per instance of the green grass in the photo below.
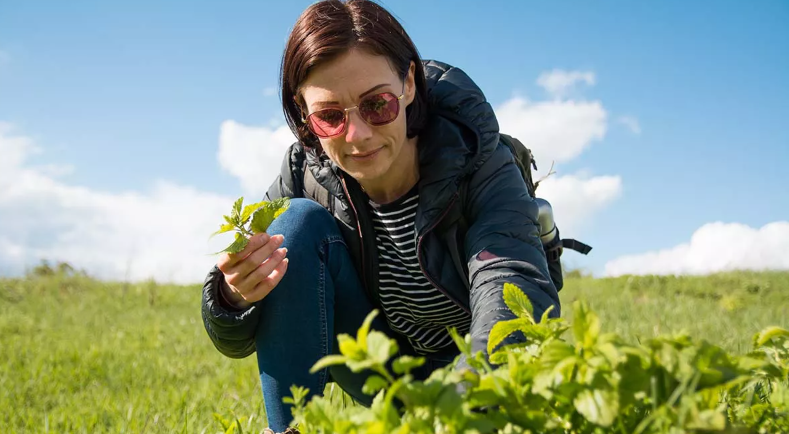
(78, 355)
(726, 309)
(90, 357)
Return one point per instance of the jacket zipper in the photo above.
(361, 236)
(419, 256)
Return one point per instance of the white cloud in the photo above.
(631, 123)
(575, 198)
(555, 131)
(253, 154)
(160, 234)
(714, 247)
(558, 83)
(558, 131)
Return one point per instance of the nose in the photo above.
(358, 129)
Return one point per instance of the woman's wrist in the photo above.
(231, 298)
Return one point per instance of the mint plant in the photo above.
(593, 383)
(250, 220)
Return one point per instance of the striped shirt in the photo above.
(411, 304)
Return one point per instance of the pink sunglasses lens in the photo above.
(327, 122)
(379, 109)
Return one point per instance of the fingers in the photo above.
(252, 273)
(251, 262)
(262, 289)
(237, 267)
(262, 270)
(227, 261)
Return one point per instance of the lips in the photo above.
(366, 154)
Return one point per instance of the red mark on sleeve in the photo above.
(485, 256)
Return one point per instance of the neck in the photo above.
(402, 175)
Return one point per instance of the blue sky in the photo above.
(122, 96)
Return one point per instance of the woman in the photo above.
(384, 142)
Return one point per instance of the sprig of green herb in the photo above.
(250, 220)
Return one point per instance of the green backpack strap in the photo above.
(524, 159)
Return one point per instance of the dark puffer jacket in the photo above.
(502, 243)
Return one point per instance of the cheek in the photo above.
(331, 148)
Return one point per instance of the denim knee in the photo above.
(305, 220)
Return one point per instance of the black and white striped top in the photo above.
(411, 304)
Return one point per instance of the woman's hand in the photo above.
(255, 271)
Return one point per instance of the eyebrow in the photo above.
(362, 95)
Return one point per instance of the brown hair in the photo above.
(328, 29)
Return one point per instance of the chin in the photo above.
(365, 173)
(368, 170)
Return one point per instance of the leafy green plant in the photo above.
(594, 384)
(250, 220)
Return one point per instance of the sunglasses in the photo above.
(376, 110)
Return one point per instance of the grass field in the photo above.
(78, 355)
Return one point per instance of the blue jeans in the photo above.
(319, 297)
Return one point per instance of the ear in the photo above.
(410, 83)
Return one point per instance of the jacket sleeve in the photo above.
(503, 245)
(231, 330)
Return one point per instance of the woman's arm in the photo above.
(232, 328)
(503, 246)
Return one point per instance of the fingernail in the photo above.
(284, 250)
(279, 238)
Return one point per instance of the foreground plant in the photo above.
(594, 384)
(250, 220)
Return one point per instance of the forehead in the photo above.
(344, 78)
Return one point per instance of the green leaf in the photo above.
(237, 246)
(330, 360)
(544, 318)
(708, 420)
(236, 214)
(502, 355)
(463, 343)
(404, 364)
(764, 336)
(266, 214)
(449, 402)
(586, 324)
(249, 209)
(349, 348)
(380, 347)
(599, 406)
(359, 365)
(224, 228)
(502, 329)
(298, 393)
(555, 352)
(518, 302)
(364, 330)
(373, 384)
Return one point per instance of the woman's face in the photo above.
(363, 151)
